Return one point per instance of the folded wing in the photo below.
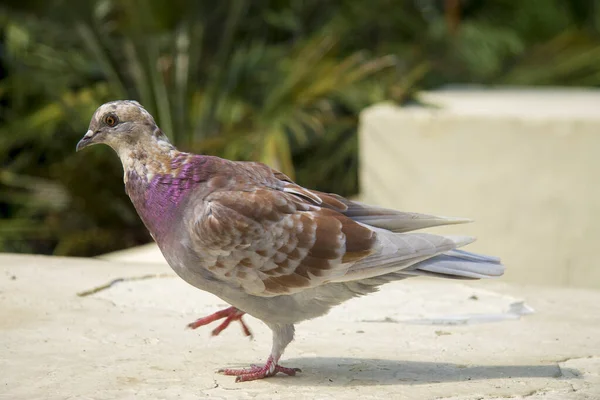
(272, 241)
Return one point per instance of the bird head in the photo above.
(121, 124)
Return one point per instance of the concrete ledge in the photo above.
(145, 254)
(417, 339)
(524, 164)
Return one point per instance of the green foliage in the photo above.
(281, 81)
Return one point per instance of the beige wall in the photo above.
(525, 165)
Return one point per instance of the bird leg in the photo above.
(282, 336)
(257, 372)
(230, 314)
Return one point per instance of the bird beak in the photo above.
(85, 141)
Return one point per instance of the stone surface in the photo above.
(146, 254)
(416, 339)
(522, 163)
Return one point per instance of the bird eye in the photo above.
(111, 120)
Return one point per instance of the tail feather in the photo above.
(396, 221)
(403, 255)
(398, 252)
(462, 264)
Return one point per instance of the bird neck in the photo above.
(147, 158)
(143, 163)
(159, 183)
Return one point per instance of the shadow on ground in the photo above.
(357, 371)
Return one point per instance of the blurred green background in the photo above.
(280, 81)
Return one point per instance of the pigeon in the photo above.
(265, 245)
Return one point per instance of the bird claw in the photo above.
(257, 372)
(230, 314)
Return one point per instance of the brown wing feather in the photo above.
(273, 242)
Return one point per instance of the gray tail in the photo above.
(459, 264)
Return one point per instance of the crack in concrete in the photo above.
(110, 284)
(214, 386)
(535, 392)
(384, 320)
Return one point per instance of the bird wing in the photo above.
(269, 236)
(271, 242)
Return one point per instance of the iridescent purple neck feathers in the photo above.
(186, 173)
(159, 194)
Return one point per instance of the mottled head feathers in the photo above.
(122, 124)
(130, 130)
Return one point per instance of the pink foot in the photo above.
(230, 314)
(256, 372)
